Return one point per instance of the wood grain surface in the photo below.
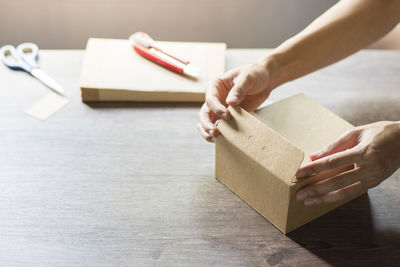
(132, 184)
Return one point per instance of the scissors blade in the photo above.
(47, 80)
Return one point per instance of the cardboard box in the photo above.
(113, 71)
(257, 157)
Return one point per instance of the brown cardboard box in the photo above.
(113, 71)
(257, 157)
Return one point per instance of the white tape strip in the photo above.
(47, 106)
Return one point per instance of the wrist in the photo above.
(281, 67)
(392, 134)
(272, 69)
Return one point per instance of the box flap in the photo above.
(305, 123)
(262, 144)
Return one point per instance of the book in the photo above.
(113, 71)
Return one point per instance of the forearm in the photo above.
(341, 31)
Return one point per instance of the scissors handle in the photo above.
(10, 57)
(29, 53)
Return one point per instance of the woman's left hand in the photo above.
(373, 150)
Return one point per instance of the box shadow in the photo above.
(143, 105)
(346, 237)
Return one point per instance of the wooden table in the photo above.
(131, 184)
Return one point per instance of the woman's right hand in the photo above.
(248, 86)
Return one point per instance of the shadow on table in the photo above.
(105, 105)
(346, 236)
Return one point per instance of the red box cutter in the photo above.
(144, 45)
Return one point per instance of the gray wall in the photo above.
(240, 23)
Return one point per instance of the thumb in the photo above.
(238, 91)
(346, 141)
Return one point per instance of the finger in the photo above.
(339, 195)
(334, 183)
(334, 161)
(217, 107)
(216, 92)
(205, 135)
(346, 141)
(252, 102)
(207, 122)
(238, 91)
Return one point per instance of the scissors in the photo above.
(24, 57)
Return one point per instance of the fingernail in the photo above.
(301, 195)
(309, 202)
(301, 174)
(312, 201)
(231, 99)
(313, 155)
(214, 132)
